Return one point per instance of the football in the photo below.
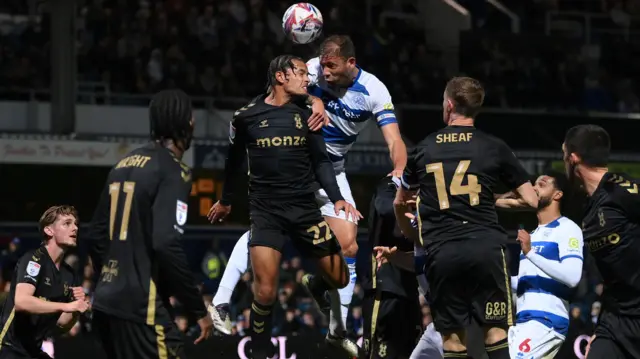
(302, 23)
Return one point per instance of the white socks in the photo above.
(237, 265)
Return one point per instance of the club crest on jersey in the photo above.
(181, 213)
(33, 268)
(359, 100)
(298, 121)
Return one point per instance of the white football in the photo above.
(302, 23)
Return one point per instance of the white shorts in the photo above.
(326, 207)
(429, 346)
(534, 340)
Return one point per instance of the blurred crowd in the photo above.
(221, 49)
(294, 313)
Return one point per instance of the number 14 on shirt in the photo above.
(456, 188)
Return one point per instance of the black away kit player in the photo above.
(135, 235)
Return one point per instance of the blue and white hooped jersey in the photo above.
(541, 298)
(350, 109)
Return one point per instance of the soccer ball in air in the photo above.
(302, 23)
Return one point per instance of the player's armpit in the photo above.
(325, 175)
(98, 234)
(26, 302)
(167, 232)
(235, 159)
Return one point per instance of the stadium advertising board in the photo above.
(288, 347)
(62, 152)
(68, 152)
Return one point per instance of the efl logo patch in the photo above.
(181, 213)
(33, 268)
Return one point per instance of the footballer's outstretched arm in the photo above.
(325, 175)
(397, 147)
(236, 156)
(172, 261)
(516, 178)
(383, 111)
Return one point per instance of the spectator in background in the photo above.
(213, 264)
(9, 258)
(595, 314)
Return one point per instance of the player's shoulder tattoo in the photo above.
(630, 185)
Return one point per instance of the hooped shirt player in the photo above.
(544, 285)
(349, 110)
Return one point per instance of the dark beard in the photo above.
(543, 203)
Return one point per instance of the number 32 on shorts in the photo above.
(321, 233)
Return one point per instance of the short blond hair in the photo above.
(51, 215)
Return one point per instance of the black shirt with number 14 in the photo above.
(456, 170)
(611, 229)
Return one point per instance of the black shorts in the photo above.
(469, 281)
(124, 339)
(617, 337)
(274, 222)
(392, 325)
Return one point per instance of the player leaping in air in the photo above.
(288, 162)
(352, 96)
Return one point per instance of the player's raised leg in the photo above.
(315, 240)
(237, 265)
(266, 264)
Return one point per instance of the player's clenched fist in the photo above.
(525, 241)
(349, 210)
(218, 212)
(78, 306)
(78, 293)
